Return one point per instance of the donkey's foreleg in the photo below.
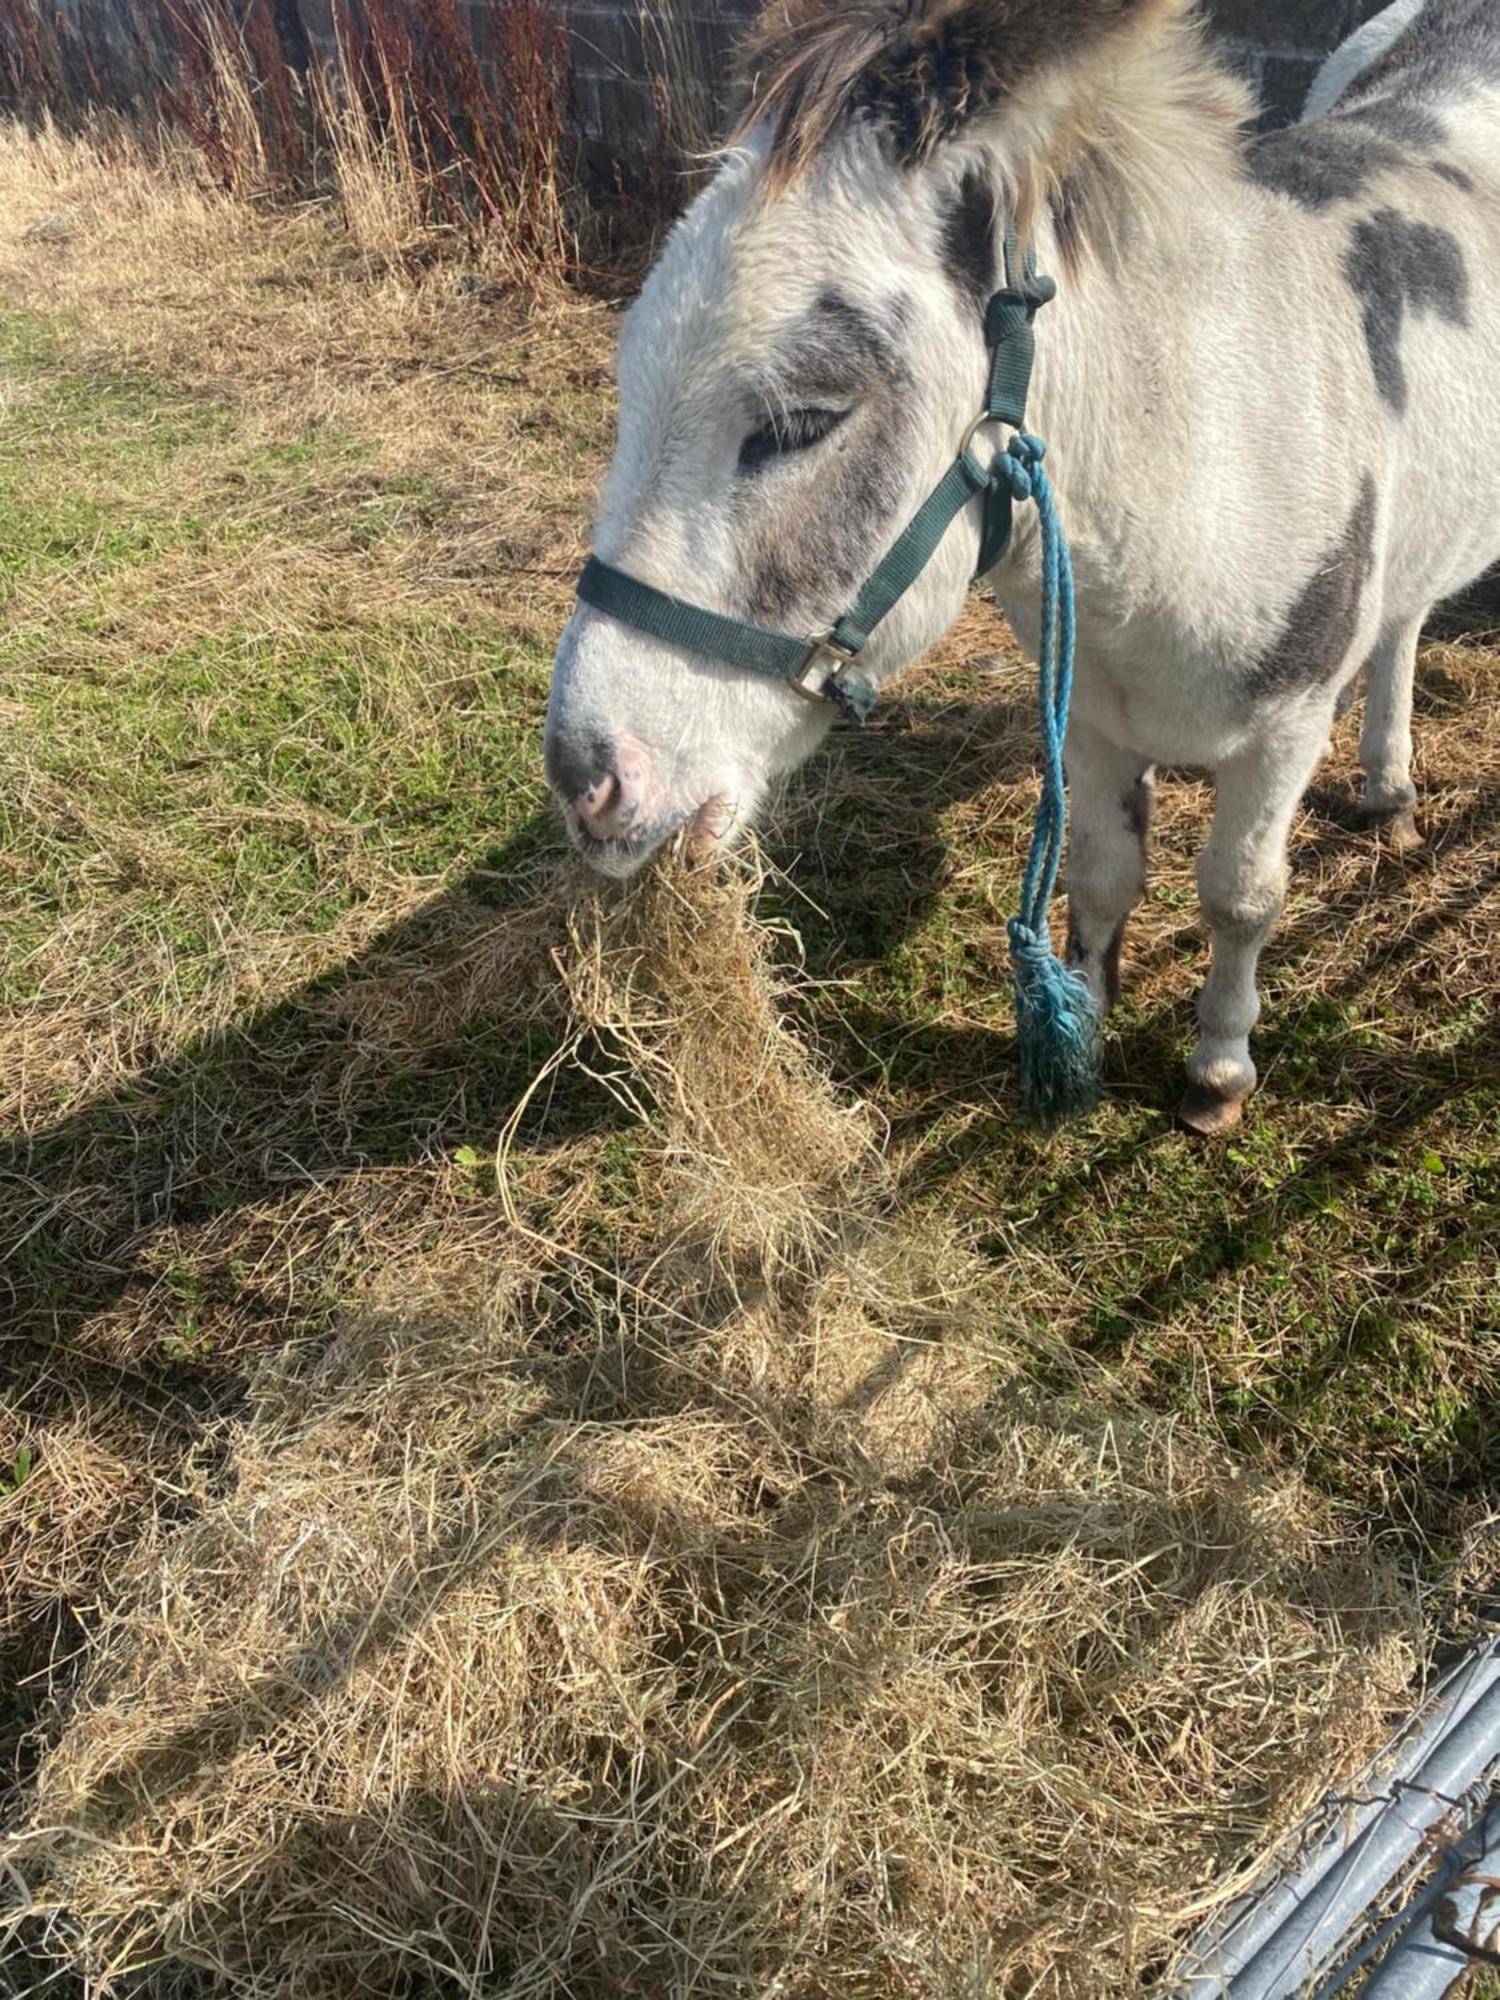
(1385, 745)
(1242, 886)
(1110, 802)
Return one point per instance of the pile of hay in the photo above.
(730, 1614)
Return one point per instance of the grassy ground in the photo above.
(284, 540)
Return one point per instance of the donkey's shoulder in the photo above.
(1414, 93)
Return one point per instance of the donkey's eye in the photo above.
(793, 430)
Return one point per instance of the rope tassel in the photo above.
(1057, 1018)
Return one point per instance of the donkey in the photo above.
(1268, 381)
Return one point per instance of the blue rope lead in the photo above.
(1057, 1019)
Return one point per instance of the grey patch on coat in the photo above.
(970, 227)
(1319, 629)
(806, 559)
(1328, 160)
(1445, 170)
(838, 351)
(1135, 809)
(1136, 806)
(1076, 957)
(1404, 123)
(812, 533)
(1112, 962)
(1395, 266)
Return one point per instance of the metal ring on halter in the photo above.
(975, 428)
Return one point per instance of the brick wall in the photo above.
(1278, 44)
(621, 47)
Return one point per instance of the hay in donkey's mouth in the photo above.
(736, 1619)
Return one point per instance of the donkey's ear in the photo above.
(923, 68)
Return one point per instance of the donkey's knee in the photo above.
(1240, 903)
(1242, 881)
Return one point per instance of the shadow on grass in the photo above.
(285, 1105)
(772, 1625)
(287, 1101)
(284, 1111)
(248, 1117)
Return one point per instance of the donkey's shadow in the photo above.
(284, 1108)
(290, 1116)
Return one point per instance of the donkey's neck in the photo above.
(1164, 250)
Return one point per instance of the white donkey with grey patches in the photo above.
(1268, 382)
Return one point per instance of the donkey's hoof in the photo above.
(1397, 827)
(1401, 832)
(1208, 1113)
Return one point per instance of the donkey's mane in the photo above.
(921, 69)
(1138, 107)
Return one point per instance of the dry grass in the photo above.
(730, 1617)
(374, 172)
(575, 1445)
(394, 488)
(414, 133)
(286, 316)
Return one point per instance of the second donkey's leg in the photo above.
(1242, 885)
(1110, 803)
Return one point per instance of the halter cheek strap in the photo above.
(820, 668)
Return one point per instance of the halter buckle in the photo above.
(826, 647)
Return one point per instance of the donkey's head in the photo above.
(798, 374)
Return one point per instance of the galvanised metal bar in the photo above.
(1472, 1811)
(1463, 1900)
(1276, 1942)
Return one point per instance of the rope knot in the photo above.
(1026, 946)
(1021, 465)
(1015, 475)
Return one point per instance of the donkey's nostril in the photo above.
(606, 785)
(576, 764)
(602, 808)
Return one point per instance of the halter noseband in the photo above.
(819, 668)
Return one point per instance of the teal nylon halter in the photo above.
(818, 668)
